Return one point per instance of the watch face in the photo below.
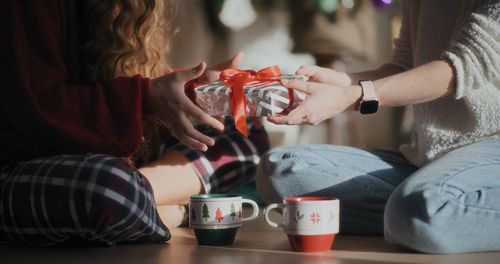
(368, 107)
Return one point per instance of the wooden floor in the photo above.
(255, 243)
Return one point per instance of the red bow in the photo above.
(237, 79)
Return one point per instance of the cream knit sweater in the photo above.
(467, 33)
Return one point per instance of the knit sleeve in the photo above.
(402, 53)
(475, 51)
(47, 107)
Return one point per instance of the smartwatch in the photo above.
(369, 101)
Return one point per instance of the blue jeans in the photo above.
(450, 205)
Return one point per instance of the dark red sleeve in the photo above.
(44, 104)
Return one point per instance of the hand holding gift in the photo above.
(176, 112)
(324, 85)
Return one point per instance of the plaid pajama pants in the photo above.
(94, 199)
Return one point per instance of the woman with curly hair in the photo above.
(82, 161)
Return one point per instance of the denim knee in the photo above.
(280, 172)
(417, 217)
(267, 175)
(294, 171)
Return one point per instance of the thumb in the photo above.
(234, 62)
(303, 86)
(310, 71)
(237, 60)
(193, 73)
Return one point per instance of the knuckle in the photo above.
(313, 121)
(184, 140)
(188, 141)
(308, 119)
(191, 132)
(182, 131)
(176, 77)
(292, 83)
(307, 87)
(311, 68)
(205, 118)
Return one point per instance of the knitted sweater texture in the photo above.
(467, 33)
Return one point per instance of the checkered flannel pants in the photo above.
(93, 199)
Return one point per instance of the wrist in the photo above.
(354, 94)
(345, 79)
(353, 79)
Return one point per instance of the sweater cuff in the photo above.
(147, 109)
(458, 68)
(474, 54)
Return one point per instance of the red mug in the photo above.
(311, 223)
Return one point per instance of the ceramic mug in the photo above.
(215, 218)
(310, 222)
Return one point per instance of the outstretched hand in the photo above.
(174, 109)
(323, 102)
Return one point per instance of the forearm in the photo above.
(422, 84)
(379, 73)
(425, 83)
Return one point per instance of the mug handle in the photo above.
(268, 209)
(255, 212)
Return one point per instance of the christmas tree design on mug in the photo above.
(215, 218)
(205, 214)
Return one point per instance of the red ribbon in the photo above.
(236, 80)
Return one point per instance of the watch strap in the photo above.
(368, 90)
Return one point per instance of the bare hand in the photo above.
(323, 101)
(324, 75)
(174, 109)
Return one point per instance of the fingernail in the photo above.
(284, 81)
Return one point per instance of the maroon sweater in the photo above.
(46, 106)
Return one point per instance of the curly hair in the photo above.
(126, 37)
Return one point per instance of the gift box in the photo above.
(244, 93)
(266, 98)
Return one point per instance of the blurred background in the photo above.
(347, 35)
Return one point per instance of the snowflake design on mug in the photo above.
(315, 217)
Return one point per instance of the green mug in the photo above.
(215, 218)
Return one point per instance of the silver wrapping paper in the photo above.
(262, 98)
